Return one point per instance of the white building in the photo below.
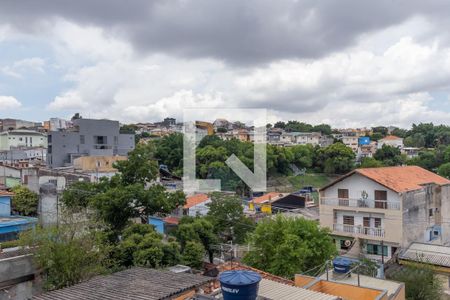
(22, 139)
(380, 210)
(351, 142)
(196, 205)
(391, 140)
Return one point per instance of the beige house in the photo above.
(97, 166)
(376, 211)
(351, 141)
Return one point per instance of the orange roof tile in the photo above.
(267, 197)
(172, 220)
(6, 193)
(195, 199)
(398, 179)
(391, 137)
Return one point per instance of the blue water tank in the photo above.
(341, 265)
(239, 285)
(364, 140)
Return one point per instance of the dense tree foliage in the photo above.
(286, 246)
(389, 156)
(199, 230)
(226, 213)
(335, 159)
(66, 254)
(24, 201)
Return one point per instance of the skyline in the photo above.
(383, 63)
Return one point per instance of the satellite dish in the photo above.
(347, 243)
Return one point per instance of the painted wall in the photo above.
(201, 209)
(5, 206)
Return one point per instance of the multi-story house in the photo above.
(391, 140)
(88, 137)
(379, 210)
(22, 138)
(350, 141)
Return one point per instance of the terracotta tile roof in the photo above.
(266, 198)
(398, 179)
(6, 193)
(172, 220)
(391, 137)
(195, 199)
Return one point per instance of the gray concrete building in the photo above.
(88, 137)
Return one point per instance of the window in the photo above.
(377, 222)
(380, 199)
(116, 140)
(31, 140)
(82, 139)
(376, 249)
(349, 220)
(366, 222)
(100, 139)
(343, 193)
(430, 212)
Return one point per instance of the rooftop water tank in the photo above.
(239, 285)
(341, 265)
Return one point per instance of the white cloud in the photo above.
(67, 101)
(21, 67)
(9, 102)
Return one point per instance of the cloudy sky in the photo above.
(347, 63)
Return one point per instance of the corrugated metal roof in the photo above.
(279, 291)
(433, 254)
(134, 283)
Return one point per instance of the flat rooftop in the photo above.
(392, 287)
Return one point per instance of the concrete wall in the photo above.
(200, 209)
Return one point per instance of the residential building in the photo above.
(133, 283)
(30, 155)
(88, 137)
(350, 141)
(10, 225)
(97, 166)
(381, 210)
(56, 124)
(196, 205)
(411, 152)
(14, 124)
(391, 140)
(22, 138)
(366, 151)
(300, 138)
(274, 136)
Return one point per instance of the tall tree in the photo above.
(141, 165)
(389, 155)
(226, 213)
(286, 246)
(335, 159)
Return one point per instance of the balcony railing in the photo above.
(361, 203)
(370, 231)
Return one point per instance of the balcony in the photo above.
(367, 203)
(360, 230)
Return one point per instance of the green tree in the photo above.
(325, 129)
(66, 254)
(370, 162)
(24, 201)
(198, 229)
(141, 165)
(286, 246)
(169, 151)
(141, 245)
(76, 196)
(335, 159)
(421, 282)
(444, 170)
(226, 213)
(389, 156)
(193, 254)
(279, 124)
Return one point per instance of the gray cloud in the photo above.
(238, 32)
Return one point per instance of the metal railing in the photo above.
(369, 203)
(358, 229)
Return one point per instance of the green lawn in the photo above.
(315, 180)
